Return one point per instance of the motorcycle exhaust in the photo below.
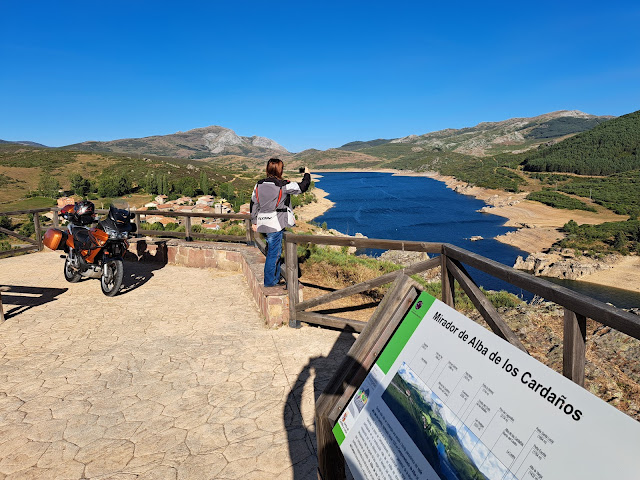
(93, 272)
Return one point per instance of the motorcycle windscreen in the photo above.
(119, 212)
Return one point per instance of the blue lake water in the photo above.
(380, 205)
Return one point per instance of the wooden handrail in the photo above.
(578, 307)
(587, 307)
(248, 238)
(24, 212)
(608, 315)
(357, 242)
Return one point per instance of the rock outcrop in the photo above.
(217, 142)
(563, 264)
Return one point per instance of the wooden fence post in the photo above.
(56, 218)
(36, 225)
(291, 264)
(187, 229)
(137, 221)
(448, 287)
(574, 346)
(249, 232)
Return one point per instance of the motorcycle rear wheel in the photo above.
(111, 282)
(70, 275)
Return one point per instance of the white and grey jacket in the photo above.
(271, 203)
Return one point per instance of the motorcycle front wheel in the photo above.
(70, 274)
(111, 279)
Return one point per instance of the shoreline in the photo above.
(306, 213)
(538, 226)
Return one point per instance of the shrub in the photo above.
(559, 200)
(27, 229)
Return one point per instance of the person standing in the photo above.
(271, 213)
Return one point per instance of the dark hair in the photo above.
(275, 167)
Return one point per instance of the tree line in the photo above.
(610, 147)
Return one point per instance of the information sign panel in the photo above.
(448, 399)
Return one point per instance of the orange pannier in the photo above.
(55, 239)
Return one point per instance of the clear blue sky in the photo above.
(307, 74)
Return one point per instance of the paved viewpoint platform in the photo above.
(174, 378)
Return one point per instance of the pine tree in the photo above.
(151, 186)
(165, 185)
(204, 183)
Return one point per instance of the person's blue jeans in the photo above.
(272, 263)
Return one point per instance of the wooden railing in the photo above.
(187, 217)
(35, 245)
(451, 259)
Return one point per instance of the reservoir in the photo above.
(381, 205)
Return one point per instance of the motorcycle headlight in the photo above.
(116, 234)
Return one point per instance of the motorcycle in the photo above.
(93, 252)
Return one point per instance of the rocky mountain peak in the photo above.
(264, 142)
(216, 142)
(197, 143)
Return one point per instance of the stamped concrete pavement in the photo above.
(174, 378)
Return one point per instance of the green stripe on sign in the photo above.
(338, 433)
(408, 325)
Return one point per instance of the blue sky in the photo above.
(307, 74)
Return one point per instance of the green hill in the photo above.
(493, 138)
(28, 173)
(610, 147)
(358, 145)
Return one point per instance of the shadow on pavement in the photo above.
(139, 267)
(25, 298)
(302, 440)
(137, 274)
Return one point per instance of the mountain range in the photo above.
(198, 143)
(487, 138)
(23, 142)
